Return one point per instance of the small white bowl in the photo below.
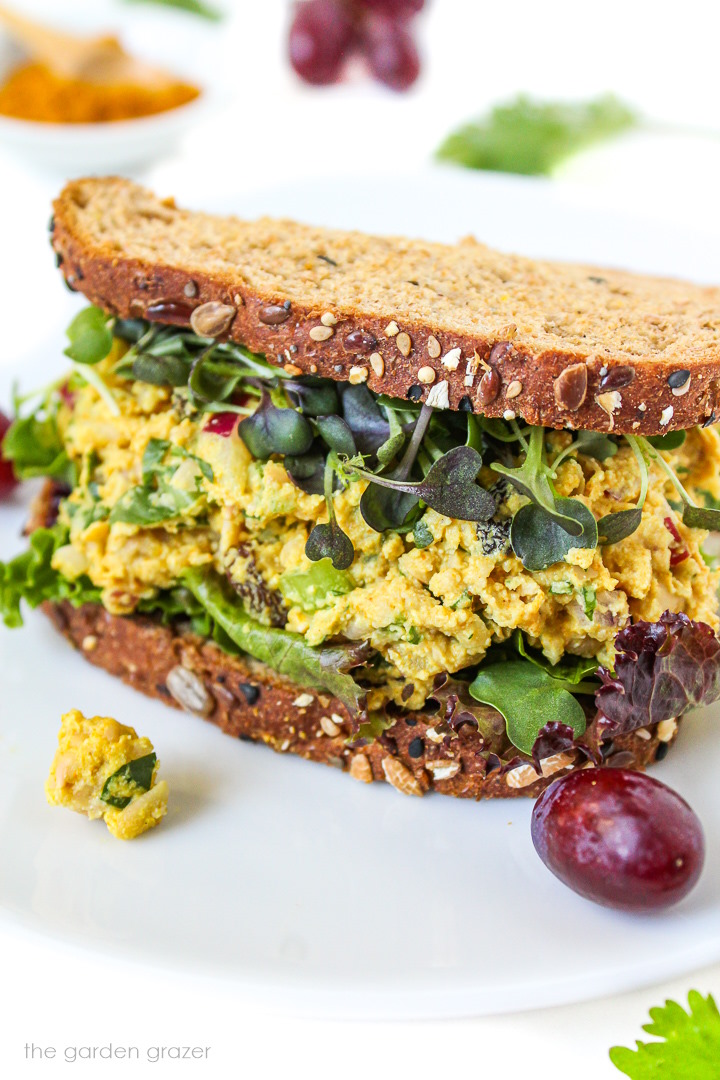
(178, 44)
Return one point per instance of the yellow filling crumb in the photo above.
(103, 769)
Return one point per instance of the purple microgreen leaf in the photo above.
(449, 487)
(330, 542)
(307, 471)
(275, 431)
(615, 527)
(362, 414)
(539, 540)
(334, 431)
(314, 396)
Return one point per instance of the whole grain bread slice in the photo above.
(458, 326)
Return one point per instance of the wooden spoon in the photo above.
(100, 59)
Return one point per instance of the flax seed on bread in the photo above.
(557, 344)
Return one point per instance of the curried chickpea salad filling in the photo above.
(365, 545)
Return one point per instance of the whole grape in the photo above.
(619, 838)
(321, 37)
(391, 53)
(8, 481)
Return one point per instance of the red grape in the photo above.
(8, 480)
(619, 838)
(320, 39)
(391, 53)
(394, 9)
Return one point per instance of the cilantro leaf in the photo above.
(689, 1046)
(532, 137)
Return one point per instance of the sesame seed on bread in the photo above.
(458, 326)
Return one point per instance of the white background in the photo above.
(660, 57)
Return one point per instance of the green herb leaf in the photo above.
(589, 596)
(314, 396)
(193, 7)
(573, 671)
(422, 534)
(385, 508)
(539, 540)
(688, 1046)
(149, 506)
(529, 698)
(133, 777)
(701, 517)
(593, 444)
(326, 668)
(533, 478)
(90, 336)
(696, 517)
(307, 471)
(532, 137)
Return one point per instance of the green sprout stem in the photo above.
(90, 375)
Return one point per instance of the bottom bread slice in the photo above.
(248, 700)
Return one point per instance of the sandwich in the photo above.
(431, 514)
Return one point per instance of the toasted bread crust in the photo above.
(619, 351)
(249, 701)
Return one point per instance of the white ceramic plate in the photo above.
(306, 888)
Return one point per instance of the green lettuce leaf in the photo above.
(324, 668)
(688, 1046)
(30, 577)
(34, 446)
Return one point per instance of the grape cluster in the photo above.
(325, 33)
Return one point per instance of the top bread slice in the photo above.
(458, 326)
